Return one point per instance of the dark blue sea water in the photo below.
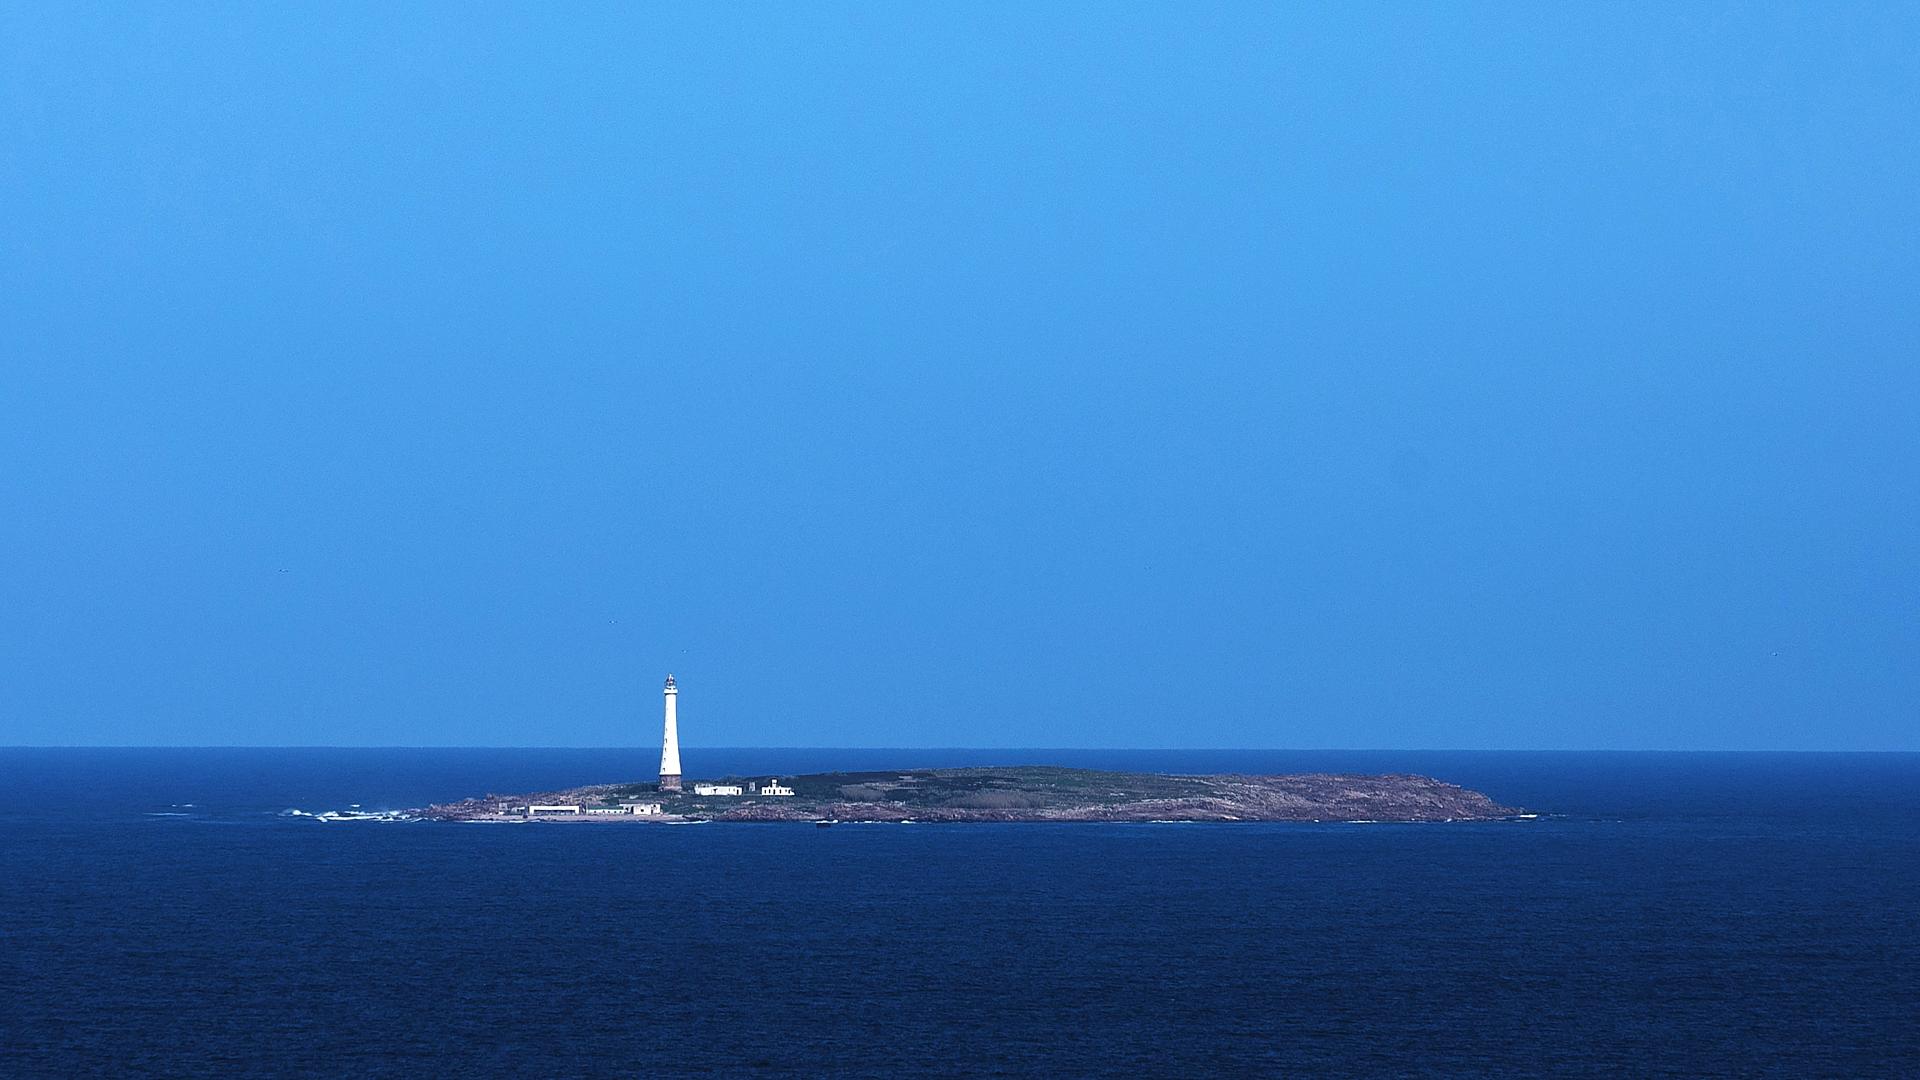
(1684, 915)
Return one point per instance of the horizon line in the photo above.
(997, 749)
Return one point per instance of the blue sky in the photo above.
(1103, 375)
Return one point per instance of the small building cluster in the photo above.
(575, 810)
(771, 787)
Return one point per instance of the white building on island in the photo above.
(651, 809)
(774, 787)
(670, 740)
(718, 789)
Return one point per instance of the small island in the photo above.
(997, 794)
(991, 794)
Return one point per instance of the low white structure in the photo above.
(643, 809)
(608, 810)
(773, 787)
(536, 811)
(718, 789)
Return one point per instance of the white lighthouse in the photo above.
(670, 744)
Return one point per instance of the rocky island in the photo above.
(1016, 793)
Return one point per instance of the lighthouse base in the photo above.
(669, 782)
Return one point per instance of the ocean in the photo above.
(1680, 915)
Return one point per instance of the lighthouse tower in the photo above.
(670, 745)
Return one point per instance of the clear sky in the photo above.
(1449, 375)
